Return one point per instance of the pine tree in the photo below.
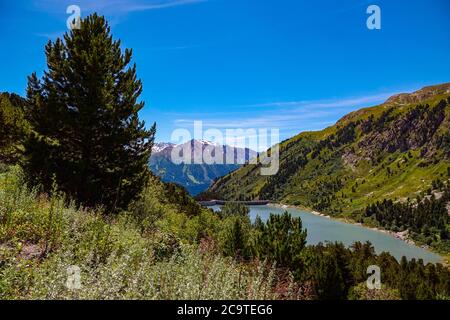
(87, 136)
(329, 279)
(282, 239)
(235, 244)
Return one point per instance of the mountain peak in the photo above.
(201, 142)
(161, 146)
(420, 95)
(194, 177)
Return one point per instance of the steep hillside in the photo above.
(391, 151)
(196, 178)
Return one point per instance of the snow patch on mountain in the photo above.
(161, 146)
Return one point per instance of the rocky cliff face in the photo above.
(401, 132)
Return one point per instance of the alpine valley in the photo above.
(91, 208)
(386, 166)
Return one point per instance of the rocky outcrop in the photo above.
(420, 95)
(411, 131)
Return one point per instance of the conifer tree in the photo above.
(282, 239)
(87, 136)
(235, 243)
(329, 279)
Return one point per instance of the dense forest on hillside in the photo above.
(76, 194)
(426, 218)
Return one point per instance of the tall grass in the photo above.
(42, 236)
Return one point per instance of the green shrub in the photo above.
(42, 237)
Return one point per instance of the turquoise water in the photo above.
(322, 229)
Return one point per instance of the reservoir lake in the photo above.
(323, 229)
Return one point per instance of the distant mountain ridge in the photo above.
(391, 151)
(160, 146)
(195, 177)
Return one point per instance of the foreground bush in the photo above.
(41, 238)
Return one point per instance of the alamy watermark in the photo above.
(374, 280)
(73, 281)
(74, 21)
(230, 146)
(374, 20)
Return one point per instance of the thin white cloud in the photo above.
(175, 48)
(333, 103)
(286, 115)
(115, 10)
(265, 121)
(50, 35)
(152, 5)
(302, 106)
(111, 7)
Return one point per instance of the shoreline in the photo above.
(402, 236)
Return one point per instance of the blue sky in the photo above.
(289, 64)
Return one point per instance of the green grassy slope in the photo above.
(391, 151)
